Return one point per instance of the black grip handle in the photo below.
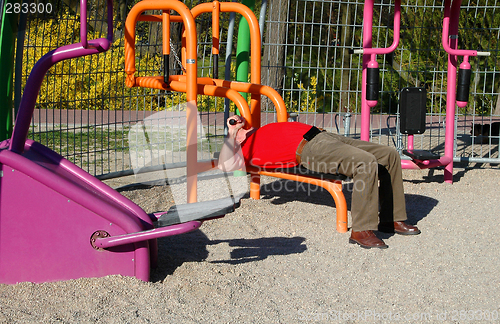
(216, 66)
(463, 84)
(372, 83)
(232, 122)
(166, 68)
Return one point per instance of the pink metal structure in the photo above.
(58, 222)
(370, 59)
(449, 42)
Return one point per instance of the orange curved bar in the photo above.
(334, 187)
(213, 90)
(201, 8)
(215, 27)
(253, 23)
(215, 8)
(273, 95)
(191, 71)
(206, 88)
(255, 55)
(190, 28)
(166, 32)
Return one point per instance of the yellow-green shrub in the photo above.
(95, 82)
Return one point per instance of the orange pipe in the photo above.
(254, 186)
(201, 8)
(273, 95)
(215, 27)
(166, 32)
(255, 69)
(135, 15)
(212, 90)
(255, 55)
(151, 82)
(191, 71)
(206, 88)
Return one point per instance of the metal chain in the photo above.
(173, 50)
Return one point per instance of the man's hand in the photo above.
(235, 123)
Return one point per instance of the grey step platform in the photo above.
(198, 211)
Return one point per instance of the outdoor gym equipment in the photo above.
(413, 100)
(192, 85)
(58, 222)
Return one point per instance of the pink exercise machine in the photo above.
(58, 222)
(413, 100)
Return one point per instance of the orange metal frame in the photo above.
(192, 85)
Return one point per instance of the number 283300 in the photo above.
(33, 7)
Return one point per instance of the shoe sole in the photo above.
(400, 233)
(408, 233)
(367, 246)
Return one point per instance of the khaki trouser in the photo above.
(365, 163)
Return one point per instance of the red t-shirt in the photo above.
(274, 145)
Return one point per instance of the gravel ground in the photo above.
(280, 260)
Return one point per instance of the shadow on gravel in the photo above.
(192, 247)
(249, 250)
(284, 191)
(417, 208)
(279, 192)
(439, 178)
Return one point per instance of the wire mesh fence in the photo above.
(85, 112)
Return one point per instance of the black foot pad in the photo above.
(421, 155)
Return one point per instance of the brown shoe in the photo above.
(367, 240)
(399, 228)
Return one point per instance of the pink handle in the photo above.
(449, 44)
(147, 235)
(397, 28)
(35, 79)
(83, 23)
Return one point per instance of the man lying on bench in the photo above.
(283, 145)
